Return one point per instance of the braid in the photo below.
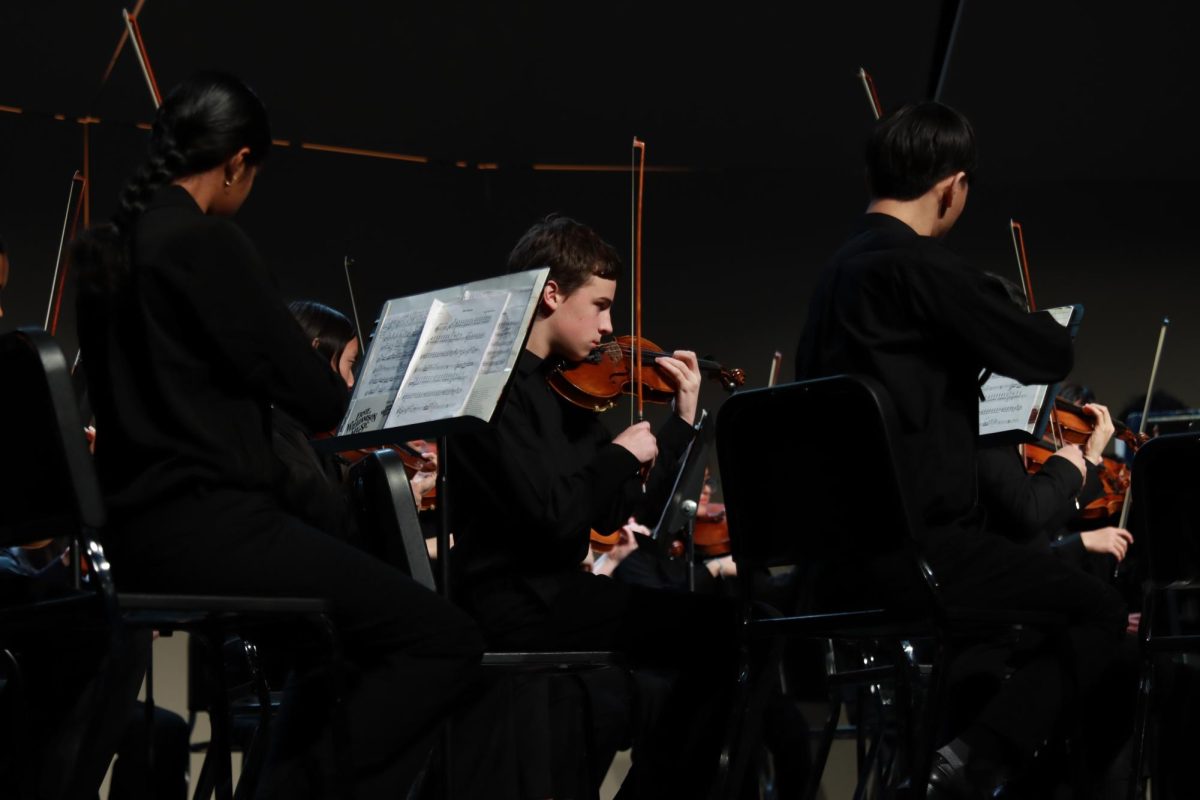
(163, 164)
(202, 122)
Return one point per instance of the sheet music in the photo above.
(447, 358)
(1008, 404)
(402, 338)
(391, 350)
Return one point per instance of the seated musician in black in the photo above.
(896, 305)
(1036, 508)
(534, 486)
(188, 346)
(1042, 510)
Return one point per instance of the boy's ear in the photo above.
(552, 297)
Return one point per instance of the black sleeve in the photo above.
(1092, 488)
(963, 308)
(558, 508)
(243, 318)
(1070, 548)
(1026, 506)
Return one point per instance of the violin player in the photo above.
(187, 345)
(548, 473)
(1035, 510)
(897, 305)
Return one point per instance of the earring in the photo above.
(228, 183)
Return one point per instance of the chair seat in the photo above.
(563, 660)
(74, 611)
(185, 610)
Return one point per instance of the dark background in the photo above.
(1083, 111)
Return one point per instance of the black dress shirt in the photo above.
(1034, 509)
(185, 357)
(904, 310)
(526, 493)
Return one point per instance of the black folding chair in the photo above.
(1166, 524)
(812, 487)
(62, 498)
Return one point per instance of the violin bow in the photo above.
(868, 84)
(637, 179)
(773, 373)
(1162, 335)
(70, 223)
(347, 261)
(139, 49)
(1018, 240)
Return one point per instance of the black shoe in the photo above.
(950, 782)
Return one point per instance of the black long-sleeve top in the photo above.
(526, 493)
(1034, 509)
(904, 310)
(185, 357)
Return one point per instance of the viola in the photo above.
(609, 371)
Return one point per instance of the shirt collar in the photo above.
(885, 222)
(173, 196)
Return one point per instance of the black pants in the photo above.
(409, 654)
(692, 635)
(168, 781)
(986, 571)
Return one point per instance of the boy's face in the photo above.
(581, 319)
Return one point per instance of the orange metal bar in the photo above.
(358, 151)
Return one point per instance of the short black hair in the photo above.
(573, 252)
(916, 146)
(1078, 393)
(3, 246)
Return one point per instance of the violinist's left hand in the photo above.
(684, 370)
(1094, 450)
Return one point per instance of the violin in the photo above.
(609, 371)
(1069, 424)
(710, 533)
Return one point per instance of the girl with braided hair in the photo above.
(187, 345)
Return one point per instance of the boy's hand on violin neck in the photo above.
(639, 440)
(683, 369)
(1102, 433)
(1113, 541)
(1072, 453)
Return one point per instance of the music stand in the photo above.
(680, 511)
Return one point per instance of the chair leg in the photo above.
(260, 743)
(149, 709)
(341, 734)
(867, 767)
(744, 731)
(902, 755)
(934, 711)
(823, 747)
(1141, 718)
(220, 742)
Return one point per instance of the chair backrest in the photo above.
(49, 487)
(1165, 519)
(387, 515)
(810, 479)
